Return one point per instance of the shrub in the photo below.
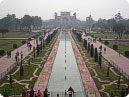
(23, 42)
(106, 42)
(15, 46)
(127, 53)
(2, 52)
(115, 47)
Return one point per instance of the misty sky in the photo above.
(46, 8)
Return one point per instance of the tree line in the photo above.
(26, 23)
(118, 24)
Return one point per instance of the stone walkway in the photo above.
(88, 82)
(43, 78)
(8, 63)
(120, 62)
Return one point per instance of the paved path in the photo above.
(7, 63)
(43, 78)
(88, 82)
(113, 57)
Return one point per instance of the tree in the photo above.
(88, 47)
(108, 70)
(92, 50)
(119, 28)
(10, 81)
(4, 31)
(118, 17)
(85, 44)
(100, 59)
(96, 55)
(127, 33)
(21, 70)
(118, 83)
(111, 23)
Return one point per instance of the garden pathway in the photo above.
(113, 57)
(7, 63)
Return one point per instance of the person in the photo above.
(32, 92)
(39, 93)
(112, 95)
(70, 90)
(30, 46)
(16, 58)
(21, 55)
(27, 94)
(127, 90)
(123, 93)
(119, 53)
(23, 92)
(7, 54)
(46, 93)
(57, 95)
(6, 93)
(104, 49)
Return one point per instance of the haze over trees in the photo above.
(26, 23)
(118, 24)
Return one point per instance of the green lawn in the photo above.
(122, 46)
(18, 35)
(7, 45)
(109, 35)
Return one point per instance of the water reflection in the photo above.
(65, 72)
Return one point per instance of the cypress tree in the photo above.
(21, 70)
(108, 71)
(100, 59)
(118, 83)
(10, 81)
(88, 47)
(92, 50)
(96, 55)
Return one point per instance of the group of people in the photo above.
(17, 56)
(32, 93)
(124, 92)
(9, 54)
(29, 45)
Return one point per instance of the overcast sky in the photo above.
(46, 8)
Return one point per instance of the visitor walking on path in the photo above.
(21, 55)
(104, 50)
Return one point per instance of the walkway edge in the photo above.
(88, 82)
(44, 76)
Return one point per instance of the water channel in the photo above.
(65, 71)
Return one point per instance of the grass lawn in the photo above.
(19, 35)
(28, 71)
(7, 45)
(102, 73)
(109, 35)
(122, 46)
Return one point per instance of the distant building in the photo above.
(64, 20)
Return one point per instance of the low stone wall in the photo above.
(88, 82)
(44, 76)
